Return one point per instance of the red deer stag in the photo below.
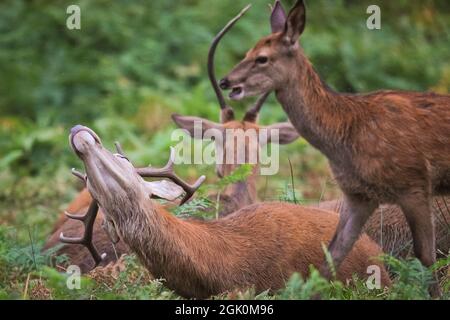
(259, 246)
(383, 147)
(99, 233)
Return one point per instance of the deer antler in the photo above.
(252, 114)
(212, 51)
(168, 172)
(88, 220)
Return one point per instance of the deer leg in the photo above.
(417, 209)
(353, 216)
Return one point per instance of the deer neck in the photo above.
(323, 117)
(170, 248)
(242, 193)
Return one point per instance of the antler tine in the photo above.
(252, 114)
(168, 172)
(88, 220)
(212, 51)
(79, 175)
(119, 148)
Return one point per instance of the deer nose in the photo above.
(224, 84)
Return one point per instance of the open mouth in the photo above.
(237, 93)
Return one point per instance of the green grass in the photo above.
(28, 273)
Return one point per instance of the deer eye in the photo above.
(261, 60)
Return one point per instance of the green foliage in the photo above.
(239, 174)
(412, 278)
(195, 207)
(289, 194)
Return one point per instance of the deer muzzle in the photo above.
(81, 138)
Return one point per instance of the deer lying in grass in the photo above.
(383, 147)
(98, 233)
(259, 246)
(242, 193)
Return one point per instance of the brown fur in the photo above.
(388, 227)
(242, 193)
(383, 147)
(202, 258)
(232, 255)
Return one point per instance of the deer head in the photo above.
(248, 127)
(267, 66)
(115, 182)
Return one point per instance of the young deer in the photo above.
(383, 147)
(259, 246)
(239, 194)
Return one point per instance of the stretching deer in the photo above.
(383, 147)
(84, 251)
(259, 246)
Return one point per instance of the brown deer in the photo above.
(98, 235)
(388, 227)
(234, 197)
(239, 194)
(259, 246)
(383, 147)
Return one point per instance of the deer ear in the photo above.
(195, 126)
(281, 133)
(164, 189)
(278, 17)
(295, 23)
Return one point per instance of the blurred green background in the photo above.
(133, 63)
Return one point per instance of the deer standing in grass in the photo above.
(388, 227)
(383, 147)
(259, 246)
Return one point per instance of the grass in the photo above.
(28, 273)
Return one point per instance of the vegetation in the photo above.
(135, 62)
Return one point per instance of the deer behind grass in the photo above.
(258, 246)
(239, 194)
(236, 136)
(383, 147)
